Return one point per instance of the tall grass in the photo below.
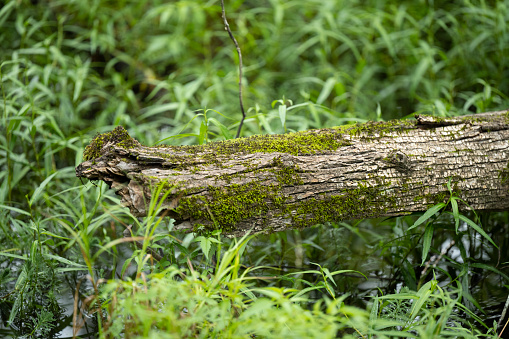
(166, 70)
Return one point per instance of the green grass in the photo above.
(167, 71)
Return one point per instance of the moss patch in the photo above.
(361, 201)
(286, 175)
(504, 174)
(118, 136)
(306, 142)
(375, 130)
(229, 205)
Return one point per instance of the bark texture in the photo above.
(270, 183)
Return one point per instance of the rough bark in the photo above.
(274, 182)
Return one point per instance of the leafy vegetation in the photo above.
(166, 70)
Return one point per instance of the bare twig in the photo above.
(227, 28)
(502, 318)
(434, 259)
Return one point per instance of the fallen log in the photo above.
(269, 183)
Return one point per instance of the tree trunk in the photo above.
(271, 183)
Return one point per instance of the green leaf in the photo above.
(20, 285)
(477, 228)
(81, 76)
(465, 284)
(14, 209)
(202, 137)
(306, 272)
(282, 115)
(417, 76)
(247, 292)
(158, 109)
(429, 213)
(70, 269)
(423, 295)
(223, 128)
(205, 245)
(329, 289)
(55, 235)
(328, 275)
(5, 11)
(455, 213)
(399, 296)
(385, 36)
(426, 244)
(64, 261)
(41, 187)
(306, 290)
(125, 266)
(326, 90)
(490, 268)
(10, 255)
(373, 314)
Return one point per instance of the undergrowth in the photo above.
(166, 71)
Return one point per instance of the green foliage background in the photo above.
(168, 70)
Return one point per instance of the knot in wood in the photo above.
(400, 160)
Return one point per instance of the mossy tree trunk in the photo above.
(270, 183)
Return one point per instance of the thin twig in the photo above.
(227, 27)
(434, 259)
(500, 334)
(502, 317)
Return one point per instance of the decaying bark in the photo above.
(274, 182)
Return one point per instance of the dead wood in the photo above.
(270, 183)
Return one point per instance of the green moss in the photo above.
(286, 175)
(375, 130)
(359, 202)
(229, 205)
(299, 143)
(503, 174)
(197, 156)
(118, 136)
(440, 197)
(306, 142)
(226, 206)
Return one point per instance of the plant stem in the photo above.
(227, 27)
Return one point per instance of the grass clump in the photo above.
(226, 303)
(187, 303)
